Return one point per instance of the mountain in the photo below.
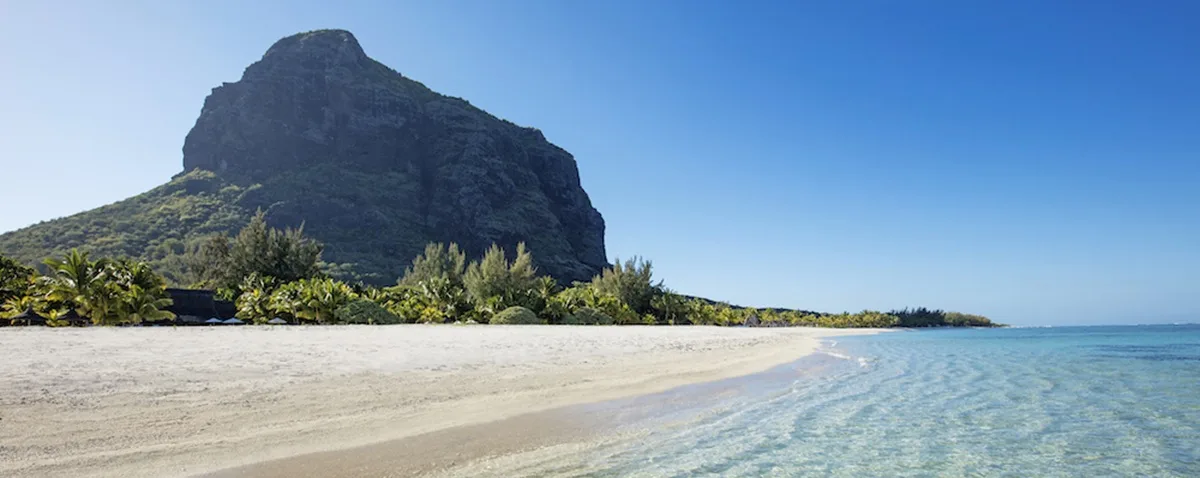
(371, 163)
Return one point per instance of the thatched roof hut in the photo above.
(29, 317)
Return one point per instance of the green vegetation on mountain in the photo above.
(157, 226)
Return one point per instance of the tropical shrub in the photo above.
(588, 316)
(959, 319)
(516, 315)
(16, 305)
(313, 299)
(728, 316)
(55, 317)
(800, 319)
(668, 308)
(363, 311)
(106, 291)
(864, 319)
(254, 304)
(447, 299)
(543, 292)
(587, 295)
(438, 287)
(701, 312)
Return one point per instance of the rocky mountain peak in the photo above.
(368, 160)
(372, 164)
(315, 50)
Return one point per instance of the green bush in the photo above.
(516, 316)
(959, 319)
(362, 311)
(866, 318)
(588, 316)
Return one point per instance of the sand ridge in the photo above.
(157, 402)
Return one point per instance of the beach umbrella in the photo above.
(277, 321)
(214, 320)
(233, 322)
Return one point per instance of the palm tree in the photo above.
(141, 305)
(130, 273)
(543, 291)
(447, 297)
(106, 291)
(106, 304)
(75, 281)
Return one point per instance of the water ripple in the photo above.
(1090, 402)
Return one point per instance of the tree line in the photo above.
(271, 273)
(104, 291)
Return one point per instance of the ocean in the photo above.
(1020, 402)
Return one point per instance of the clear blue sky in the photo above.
(1038, 162)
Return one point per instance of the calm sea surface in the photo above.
(1075, 401)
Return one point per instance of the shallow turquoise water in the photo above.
(1077, 401)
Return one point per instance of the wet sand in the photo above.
(525, 445)
(338, 401)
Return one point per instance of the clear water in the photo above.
(1078, 401)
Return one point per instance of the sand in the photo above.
(153, 402)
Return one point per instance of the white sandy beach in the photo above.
(152, 402)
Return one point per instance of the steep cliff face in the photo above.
(375, 164)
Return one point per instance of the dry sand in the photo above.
(133, 402)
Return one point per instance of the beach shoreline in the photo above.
(193, 401)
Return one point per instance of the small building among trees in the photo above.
(194, 306)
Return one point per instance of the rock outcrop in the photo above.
(375, 165)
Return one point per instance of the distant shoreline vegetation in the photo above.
(276, 274)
